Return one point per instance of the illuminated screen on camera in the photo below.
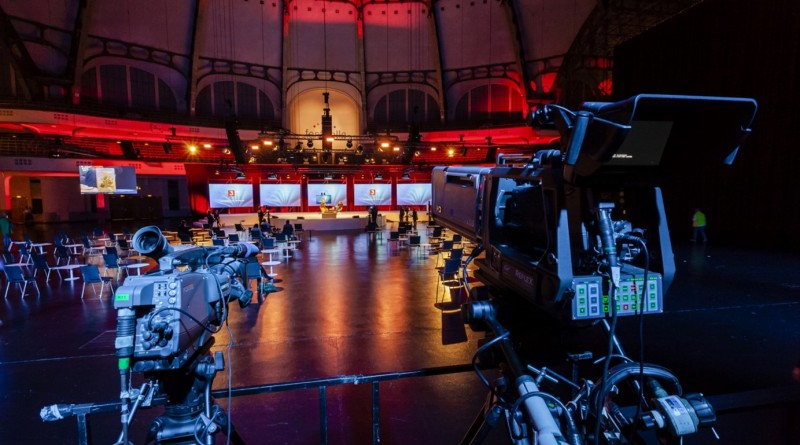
(413, 194)
(280, 195)
(373, 194)
(230, 195)
(333, 193)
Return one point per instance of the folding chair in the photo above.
(91, 275)
(449, 277)
(14, 275)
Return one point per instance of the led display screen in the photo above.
(111, 180)
(230, 195)
(333, 193)
(372, 194)
(413, 194)
(280, 195)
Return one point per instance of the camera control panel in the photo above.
(591, 301)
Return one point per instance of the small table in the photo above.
(40, 246)
(271, 262)
(137, 266)
(74, 248)
(70, 268)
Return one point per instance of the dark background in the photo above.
(729, 48)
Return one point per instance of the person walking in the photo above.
(6, 228)
(699, 226)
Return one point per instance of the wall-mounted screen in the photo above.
(280, 195)
(230, 195)
(333, 193)
(413, 194)
(112, 180)
(373, 194)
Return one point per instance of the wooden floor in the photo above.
(349, 304)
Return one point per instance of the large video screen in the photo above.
(373, 194)
(332, 193)
(230, 195)
(280, 195)
(111, 180)
(413, 194)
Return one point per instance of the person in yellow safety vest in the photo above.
(699, 226)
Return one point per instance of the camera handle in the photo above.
(541, 418)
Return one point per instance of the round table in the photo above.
(271, 262)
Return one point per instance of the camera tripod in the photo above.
(191, 416)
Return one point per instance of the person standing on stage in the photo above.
(414, 217)
(216, 218)
(260, 215)
(402, 214)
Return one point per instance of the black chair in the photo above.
(233, 238)
(394, 237)
(123, 246)
(298, 229)
(415, 242)
(111, 261)
(14, 275)
(444, 249)
(218, 242)
(40, 263)
(91, 275)
(267, 243)
(185, 238)
(25, 253)
(448, 279)
(62, 253)
(88, 249)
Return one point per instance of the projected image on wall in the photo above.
(333, 193)
(230, 195)
(413, 194)
(280, 195)
(372, 194)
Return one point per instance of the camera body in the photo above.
(166, 318)
(171, 311)
(562, 229)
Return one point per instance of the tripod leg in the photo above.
(221, 419)
(484, 422)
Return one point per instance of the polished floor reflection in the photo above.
(348, 304)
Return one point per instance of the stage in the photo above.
(309, 220)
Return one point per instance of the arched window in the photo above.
(128, 87)
(227, 98)
(493, 102)
(399, 107)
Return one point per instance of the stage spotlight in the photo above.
(310, 144)
(349, 143)
(360, 150)
(298, 146)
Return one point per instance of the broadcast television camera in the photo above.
(579, 233)
(552, 224)
(165, 326)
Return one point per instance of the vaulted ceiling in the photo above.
(384, 62)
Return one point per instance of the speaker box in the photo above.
(128, 151)
(237, 148)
